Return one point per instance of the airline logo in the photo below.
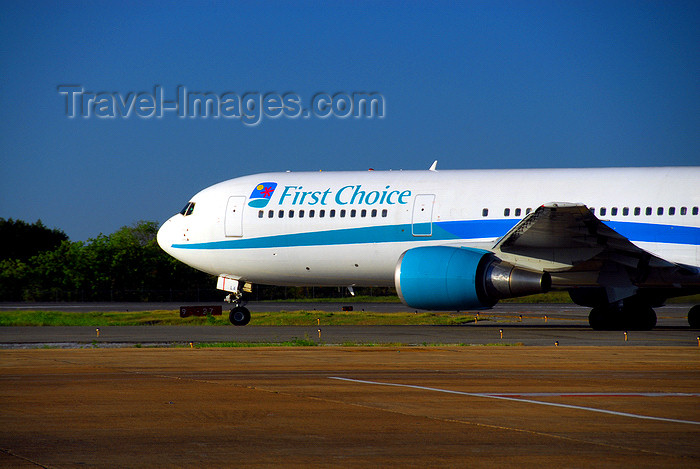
(346, 195)
(262, 194)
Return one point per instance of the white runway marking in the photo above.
(508, 397)
(597, 394)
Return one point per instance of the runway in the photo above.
(508, 324)
(351, 407)
(593, 399)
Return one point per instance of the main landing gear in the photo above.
(630, 316)
(694, 317)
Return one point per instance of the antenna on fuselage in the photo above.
(433, 166)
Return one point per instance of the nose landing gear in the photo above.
(239, 316)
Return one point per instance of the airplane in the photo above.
(620, 240)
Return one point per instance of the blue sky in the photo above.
(474, 85)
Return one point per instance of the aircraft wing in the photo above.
(560, 237)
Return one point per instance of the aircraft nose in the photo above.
(165, 236)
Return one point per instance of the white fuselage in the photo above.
(350, 228)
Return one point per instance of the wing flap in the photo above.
(565, 236)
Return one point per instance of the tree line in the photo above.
(42, 264)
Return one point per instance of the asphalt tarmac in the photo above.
(351, 407)
(110, 401)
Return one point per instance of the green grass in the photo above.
(97, 319)
(357, 318)
(290, 343)
(692, 299)
(282, 318)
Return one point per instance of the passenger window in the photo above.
(648, 211)
(603, 211)
(363, 213)
(672, 210)
(613, 211)
(660, 211)
(485, 212)
(695, 210)
(312, 213)
(517, 212)
(385, 212)
(301, 214)
(637, 211)
(506, 212)
(374, 212)
(270, 214)
(260, 214)
(280, 214)
(342, 213)
(332, 213)
(528, 210)
(291, 214)
(321, 213)
(625, 211)
(684, 210)
(353, 212)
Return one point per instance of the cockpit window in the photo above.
(188, 209)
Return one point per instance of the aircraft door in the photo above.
(422, 223)
(233, 221)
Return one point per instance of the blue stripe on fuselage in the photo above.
(442, 231)
(370, 234)
(652, 233)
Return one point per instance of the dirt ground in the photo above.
(261, 407)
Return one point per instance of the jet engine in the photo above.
(454, 279)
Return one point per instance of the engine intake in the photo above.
(451, 278)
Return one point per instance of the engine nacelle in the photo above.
(454, 279)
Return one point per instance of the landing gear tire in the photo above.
(694, 317)
(239, 316)
(631, 317)
(599, 318)
(643, 319)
